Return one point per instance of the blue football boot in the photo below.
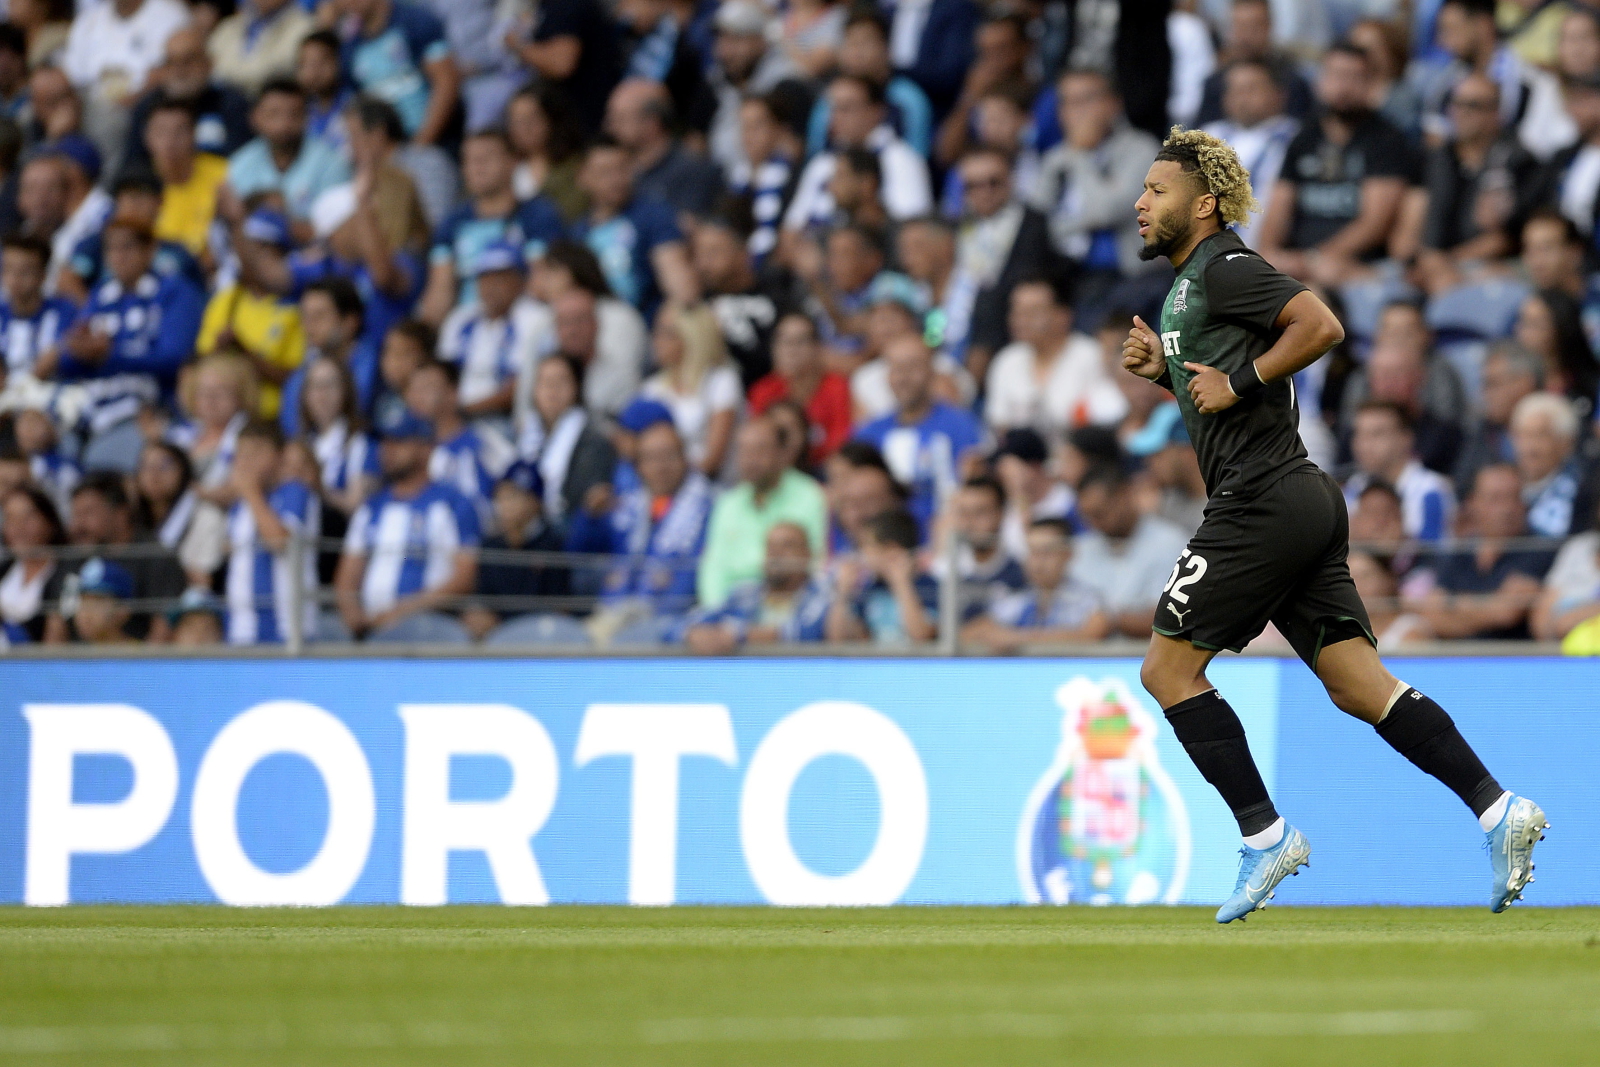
(1510, 846)
(1260, 871)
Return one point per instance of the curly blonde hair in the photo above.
(1218, 167)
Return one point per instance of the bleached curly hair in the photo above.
(1219, 170)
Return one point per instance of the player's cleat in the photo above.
(1510, 846)
(1260, 871)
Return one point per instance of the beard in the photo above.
(1350, 116)
(1165, 238)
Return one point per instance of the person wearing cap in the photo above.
(137, 194)
(924, 440)
(492, 214)
(744, 64)
(128, 344)
(799, 374)
(247, 317)
(269, 513)
(102, 615)
(660, 525)
(281, 158)
(469, 457)
(519, 526)
(641, 413)
(495, 338)
(1046, 378)
(198, 619)
(190, 178)
(410, 550)
(1022, 465)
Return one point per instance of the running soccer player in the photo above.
(1275, 537)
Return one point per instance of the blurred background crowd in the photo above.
(713, 324)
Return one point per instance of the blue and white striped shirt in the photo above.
(26, 337)
(260, 581)
(410, 545)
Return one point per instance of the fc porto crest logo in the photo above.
(1180, 299)
(1104, 825)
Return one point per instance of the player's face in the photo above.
(1165, 210)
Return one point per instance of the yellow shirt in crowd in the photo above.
(187, 209)
(264, 327)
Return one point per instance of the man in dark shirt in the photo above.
(101, 519)
(576, 45)
(519, 516)
(1275, 539)
(747, 308)
(1343, 178)
(222, 114)
(1250, 40)
(640, 116)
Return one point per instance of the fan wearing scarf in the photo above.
(572, 455)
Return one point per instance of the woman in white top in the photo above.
(1047, 379)
(32, 528)
(331, 422)
(697, 382)
(218, 395)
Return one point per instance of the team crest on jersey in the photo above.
(1180, 299)
(1105, 824)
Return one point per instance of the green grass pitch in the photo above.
(714, 986)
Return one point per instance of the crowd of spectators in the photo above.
(716, 324)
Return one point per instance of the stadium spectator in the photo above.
(575, 46)
(1250, 39)
(42, 204)
(545, 138)
(31, 323)
(611, 371)
(926, 249)
(398, 53)
(110, 54)
(1402, 369)
(1480, 184)
(1553, 253)
(840, 282)
(411, 548)
(190, 179)
(467, 457)
(1486, 591)
(1571, 47)
(330, 421)
(746, 306)
(1550, 325)
(744, 66)
(519, 527)
(924, 440)
(795, 430)
(1000, 243)
(986, 571)
(1571, 593)
(1256, 124)
(1530, 98)
(320, 74)
(697, 382)
(45, 26)
(249, 319)
(332, 317)
(1344, 175)
(1124, 557)
(810, 34)
(1380, 594)
(1085, 182)
(1509, 374)
(660, 525)
(1046, 379)
(1383, 444)
(895, 310)
(83, 208)
(859, 489)
(864, 53)
(264, 566)
(560, 438)
(102, 616)
(51, 466)
(637, 240)
(1021, 465)
(768, 492)
(1393, 94)
(1003, 50)
(1172, 469)
(495, 338)
(932, 42)
(258, 42)
(101, 520)
(222, 114)
(32, 528)
(135, 195)
(785, 606)
(1544, 437)
(198, 620)
(282, 158)
(640, 117)
(858, 119)
(799, 375)
(658, 47)
(763, 186)
(1054, 609)
(164, 493)
(880, 594)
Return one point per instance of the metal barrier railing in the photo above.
(588, 570)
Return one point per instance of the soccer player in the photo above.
(1275, 538)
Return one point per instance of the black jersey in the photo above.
(1220, 312)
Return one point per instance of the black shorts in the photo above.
(1281, 557)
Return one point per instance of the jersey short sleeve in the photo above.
(656, 224)
(443, 249)
(423, 32)
(1245, 288)
(541, 226)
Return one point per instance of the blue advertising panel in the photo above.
(657, 781)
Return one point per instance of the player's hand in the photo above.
(1141, 352)
(1209, 389)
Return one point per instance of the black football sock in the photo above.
(1423, 732)
(1214, 738)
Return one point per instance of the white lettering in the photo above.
(1169, 343)
(297, 728)
(501, 829)
(834, 728)
(657, 736)
(58, 827)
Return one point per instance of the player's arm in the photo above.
(1309, 328)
